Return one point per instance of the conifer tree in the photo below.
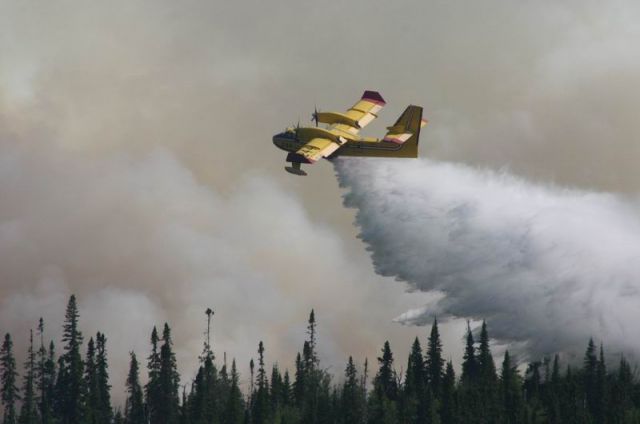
(168, 381)
(382, 408)
(621, 399)
(364, 384)
(590, 376)
(251, 389)
(286, 389)
(448, 411)
(261, 405)
(385, 380)
(70, 388)
(8, 380)
(601, 394)
(434, 362)
(233, 412)
(312, 356)
(276, 391)
(511, 392)
(469, 364)
(29, 409)
(134, 405)
(104, 411)
(414, 397)
(352, 402)
(488, 379)
(118, 418)
(152, 388)
(45, 377)
(91, 383)
(314, 387)
(553, 393)
(203, 400)
(299, 384)
(486, 366)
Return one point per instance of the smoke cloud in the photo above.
(547, 267)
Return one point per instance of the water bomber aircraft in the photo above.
(341, 136)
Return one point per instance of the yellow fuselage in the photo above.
(292, 140)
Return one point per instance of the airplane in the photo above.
(341, 138)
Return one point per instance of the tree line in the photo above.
(73, 387)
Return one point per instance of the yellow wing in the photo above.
(317, 149)
(359, 116)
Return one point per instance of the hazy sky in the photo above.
(137, 169)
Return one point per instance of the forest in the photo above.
(72, 386)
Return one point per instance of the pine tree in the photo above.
(70, 388)
(469, 364)
(553, 393)
(8, 379)
(312, 357)
(168, 382)
(204, 399)
(45, 377)
(486, 366)
(261, 404)
(286, 389)
(511, 392)
(449, 411)
(233, 412)
(91, 384)
(299, 385)
(134, 406)
(118, 418)
(488, 379)
(621, 399)
(434, 362)
(590, 376)
(276, 391)
(382, 407)
(385, 380)
(152, 388)
(470, 399)
(313, 388)
(601, 394)
(29, 410)
(352, 401)
(105, 412)
(414, 397)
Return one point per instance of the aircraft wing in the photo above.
(317, 149)
(358, 116)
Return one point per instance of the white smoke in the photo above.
(546, 266)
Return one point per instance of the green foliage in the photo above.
(134, 404)
(45, 377)
(352, 402)
(29, 409)
(70, 385)
(8, 379)
(434, 362)
(103, 412)
(78, 391)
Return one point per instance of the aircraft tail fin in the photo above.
(406, 130)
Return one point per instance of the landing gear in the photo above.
(295, 169)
